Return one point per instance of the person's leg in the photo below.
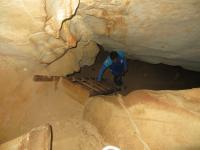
(118, 80)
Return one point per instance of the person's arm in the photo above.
(105, 65)
(122, 54)
(101, 72)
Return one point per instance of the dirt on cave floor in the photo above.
(143, 75)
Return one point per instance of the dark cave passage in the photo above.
(142, 75)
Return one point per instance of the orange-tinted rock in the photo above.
(158, 120)
(39, 138)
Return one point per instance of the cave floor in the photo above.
(143, 75)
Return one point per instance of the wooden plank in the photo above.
(84, 82)
(46, 78)
(95, 84)
(94, 87)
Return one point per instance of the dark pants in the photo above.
(118, 80)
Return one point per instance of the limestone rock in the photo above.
(155, 120)
(57, 12)
(35, 31)
(75, 58)
(153, 31)
(48, 48)
(38, 138)
(19, 19)
(26, 104)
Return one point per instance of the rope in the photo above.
(133, 124)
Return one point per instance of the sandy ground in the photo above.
(143, 75)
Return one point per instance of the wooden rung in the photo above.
(45, 78)
(95, 88)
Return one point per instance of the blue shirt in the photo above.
(117, 68)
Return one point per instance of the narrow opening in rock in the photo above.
(142, 75)
(45, 105)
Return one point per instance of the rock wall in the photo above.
(83, 54)
(26, 104)
(161, 120)
(41, 32)
(62, 35)
(148, 119)
(154, 31)
(38, 138)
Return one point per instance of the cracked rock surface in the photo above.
(153, 31)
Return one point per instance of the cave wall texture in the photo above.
(167, 120)
(157, 120)
(62, 35)
(153, 31)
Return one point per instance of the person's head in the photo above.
(114, 56)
